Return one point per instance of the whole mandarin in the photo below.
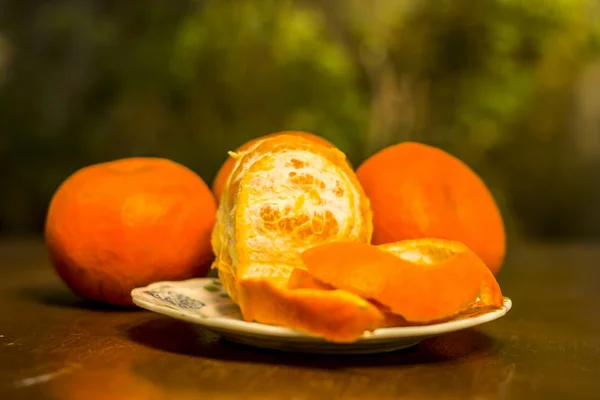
(118, 225)
(419, 191)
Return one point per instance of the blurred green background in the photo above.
(511, 87)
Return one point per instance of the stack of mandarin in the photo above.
(299, 237)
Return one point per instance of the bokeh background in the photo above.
(511, 87)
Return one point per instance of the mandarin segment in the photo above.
(421, 281)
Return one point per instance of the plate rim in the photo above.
(234, 326)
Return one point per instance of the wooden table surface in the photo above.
(54, 346)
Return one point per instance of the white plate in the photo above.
(204, 302)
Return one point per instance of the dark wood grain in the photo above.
(56, 346)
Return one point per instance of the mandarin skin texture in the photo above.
(115, 226)
(419, 191)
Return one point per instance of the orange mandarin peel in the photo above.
(422, 281)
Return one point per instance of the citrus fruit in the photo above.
(422, 281)
(418, 191)
(122, 224)
(285, 195)
(225, 170)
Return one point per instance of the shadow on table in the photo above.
(182, 338)
(58, 295)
